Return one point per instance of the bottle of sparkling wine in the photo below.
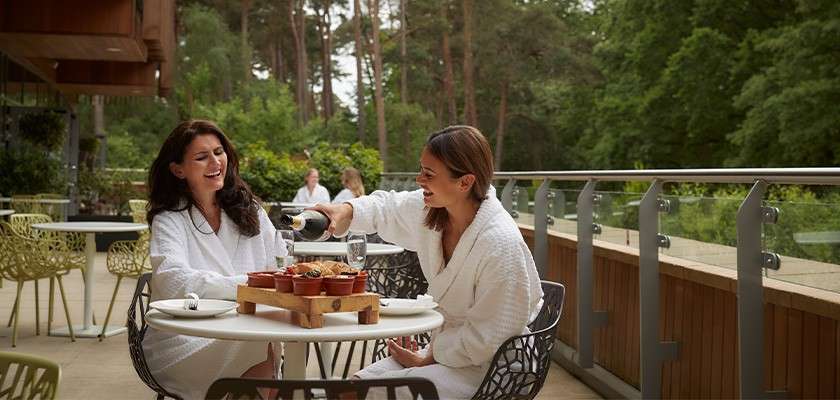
(310, 224)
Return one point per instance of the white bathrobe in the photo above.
(488, 291)
(184, 260)
(319, 195)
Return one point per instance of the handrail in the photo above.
(801, 176)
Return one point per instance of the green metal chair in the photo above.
(24, 376)
(24, 203)
(126, 259)
(21, 224)
(56, 211)
(28, 259)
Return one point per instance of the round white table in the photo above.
(339, 249)
(271, 324)
(90, 229)
(5, 212)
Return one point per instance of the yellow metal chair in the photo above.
(24, 203)
(56, 211)
(24, 376)
(28, 259)
(126, 259)
(138, 210)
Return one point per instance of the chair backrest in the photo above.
(398, 275)
(136, 325)
(27, 259)
(21, 223)
(245, 388)
(24, 376)
(138, 210)
(521, 363)
(129, 257)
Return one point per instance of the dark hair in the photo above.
(464, 150)
(166, 191)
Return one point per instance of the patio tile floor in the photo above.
(102, 370)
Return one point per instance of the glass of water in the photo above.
(356, 249)
(285, 239)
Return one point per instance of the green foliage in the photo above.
(106, 191)
(46, 129)
(27, 170)
(330, 160)
(272, 176)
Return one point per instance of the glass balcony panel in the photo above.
(807, 238)
(618, 215)
(702, 229)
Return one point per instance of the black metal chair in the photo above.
(521, 363)
(245, 388)
(137, 331)
(395, 276)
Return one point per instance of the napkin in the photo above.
(424, 300)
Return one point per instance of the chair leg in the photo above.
(110, 307)
(50, 307)
(14, 311)
(66, 310)
(17, 313)
(37, 312)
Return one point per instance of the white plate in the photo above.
(206, 307)
(389, 306)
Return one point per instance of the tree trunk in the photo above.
(470, 113)
(406, 135)
(246, 51)
(99, 129)
(297, 20)
(360, 83)
(379, 102)
(403, 57)
(448, 75)
(500, 128)
(280, 70)
(325, 34)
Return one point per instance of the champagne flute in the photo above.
(356, 249)
(285, 238)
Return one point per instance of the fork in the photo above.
(191, 302)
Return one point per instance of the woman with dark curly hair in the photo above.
(208, 231)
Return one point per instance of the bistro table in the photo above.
(88, 329)
(271, 324)
(5, 212)
(339, 249)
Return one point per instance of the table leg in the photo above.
(294, 366)
(88, 329)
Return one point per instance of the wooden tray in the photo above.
(308, 311)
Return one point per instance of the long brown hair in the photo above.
(351, 178)
(464, 150)
(167, 192)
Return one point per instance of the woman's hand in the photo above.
(340, 216)
(408, 358)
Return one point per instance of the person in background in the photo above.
(353, 186)
(207, 231)
(312, 192)
(480, 271)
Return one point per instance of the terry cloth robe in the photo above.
(318, 195)
(343, 195)
(210, 265)
(488, 291)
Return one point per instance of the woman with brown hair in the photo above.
(207, 231)
(480, 270)
(353, 186)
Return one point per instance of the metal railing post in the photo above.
(588, 318)
(751, 215)
(652, 352)
(541, 228)
(507, 195)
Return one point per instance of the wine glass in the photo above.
(356, 249)
(285, 238)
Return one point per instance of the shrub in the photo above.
(272, 176)
(29, 171)
(330, 160)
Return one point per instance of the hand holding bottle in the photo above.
(339, 215)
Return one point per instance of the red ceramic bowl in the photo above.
(338, 285)
(306, 286)
(359, 282)
(261, 279)
(283, 283)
